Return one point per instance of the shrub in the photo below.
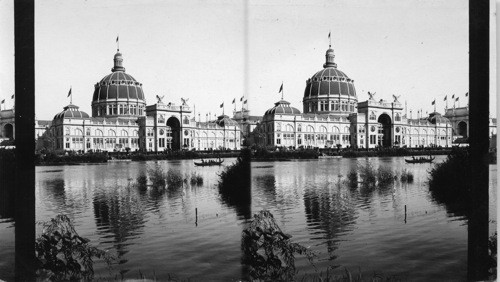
(196, 179)
(492, 250)
(406, 176)
(142, 181)
(174, 179)
(157, 176)
(352, 179)
(449, 182)
(368, 175)
(63, 254)
(385, 176)
(268, 251)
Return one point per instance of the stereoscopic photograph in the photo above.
(325, 140)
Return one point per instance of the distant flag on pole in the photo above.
(222, 105)
(3, 101)
(241, 99)
(434, 102)
(457, 99)
(245, 102)
(117, 43)
(13, 95)
(69, 93)
(445, 98)
(281, 88)
(467, 94)
(234, 100)
(117, 39)
(453, 96)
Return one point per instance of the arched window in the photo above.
(299, 127)
(335, 129)
(111, 133)
(397, 117)
(124, 133)
(278, 126)
(289, 128)
(88, 132)
(346, 129)
(67, 131)
(135, 133)
(415, 131)
(373, 116)
(78, 132)
(322, 129)
(310, 128)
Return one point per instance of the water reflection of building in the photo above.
(332, 116)
(331, 212)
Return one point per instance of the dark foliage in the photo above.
(492, 248)
(393, 152)
(449, 182)
(63, 254)
(52, 158)
(268, 251)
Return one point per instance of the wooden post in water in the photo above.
(24, 134)
(196, 213)
(405, 214)
(479, 52)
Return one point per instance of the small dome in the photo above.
(225, 120)
(282, 107)
(71, 111)
(437, 117)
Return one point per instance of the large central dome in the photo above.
(118, 94)
(330, 90)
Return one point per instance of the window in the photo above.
(397, 117)
(278, 126)
(373, 116)
(373, 139)
(88, 131)
(299, 127)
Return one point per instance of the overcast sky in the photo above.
(214, 51)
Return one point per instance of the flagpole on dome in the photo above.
(70, 95)
(330, 38)
(118, 43)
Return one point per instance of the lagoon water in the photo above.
(156, 233)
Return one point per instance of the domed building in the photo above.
(121, 121)
(332, 117)
(118, 94)
(330, 91)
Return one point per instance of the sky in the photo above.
(215, 51)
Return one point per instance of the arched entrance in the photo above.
(462, 129)
(385, 130)
(8, 131)
(175, 132)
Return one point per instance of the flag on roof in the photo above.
(241, 99)
(467, 94)
(69, 93)
(445, 98)
(434, 102)
(245, 102)
(234, 100)
(222, 105)
(281, 88)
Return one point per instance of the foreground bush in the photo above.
(268, 251)
(449, 182)
(174, 179)
(237, 174)
(64, 255)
